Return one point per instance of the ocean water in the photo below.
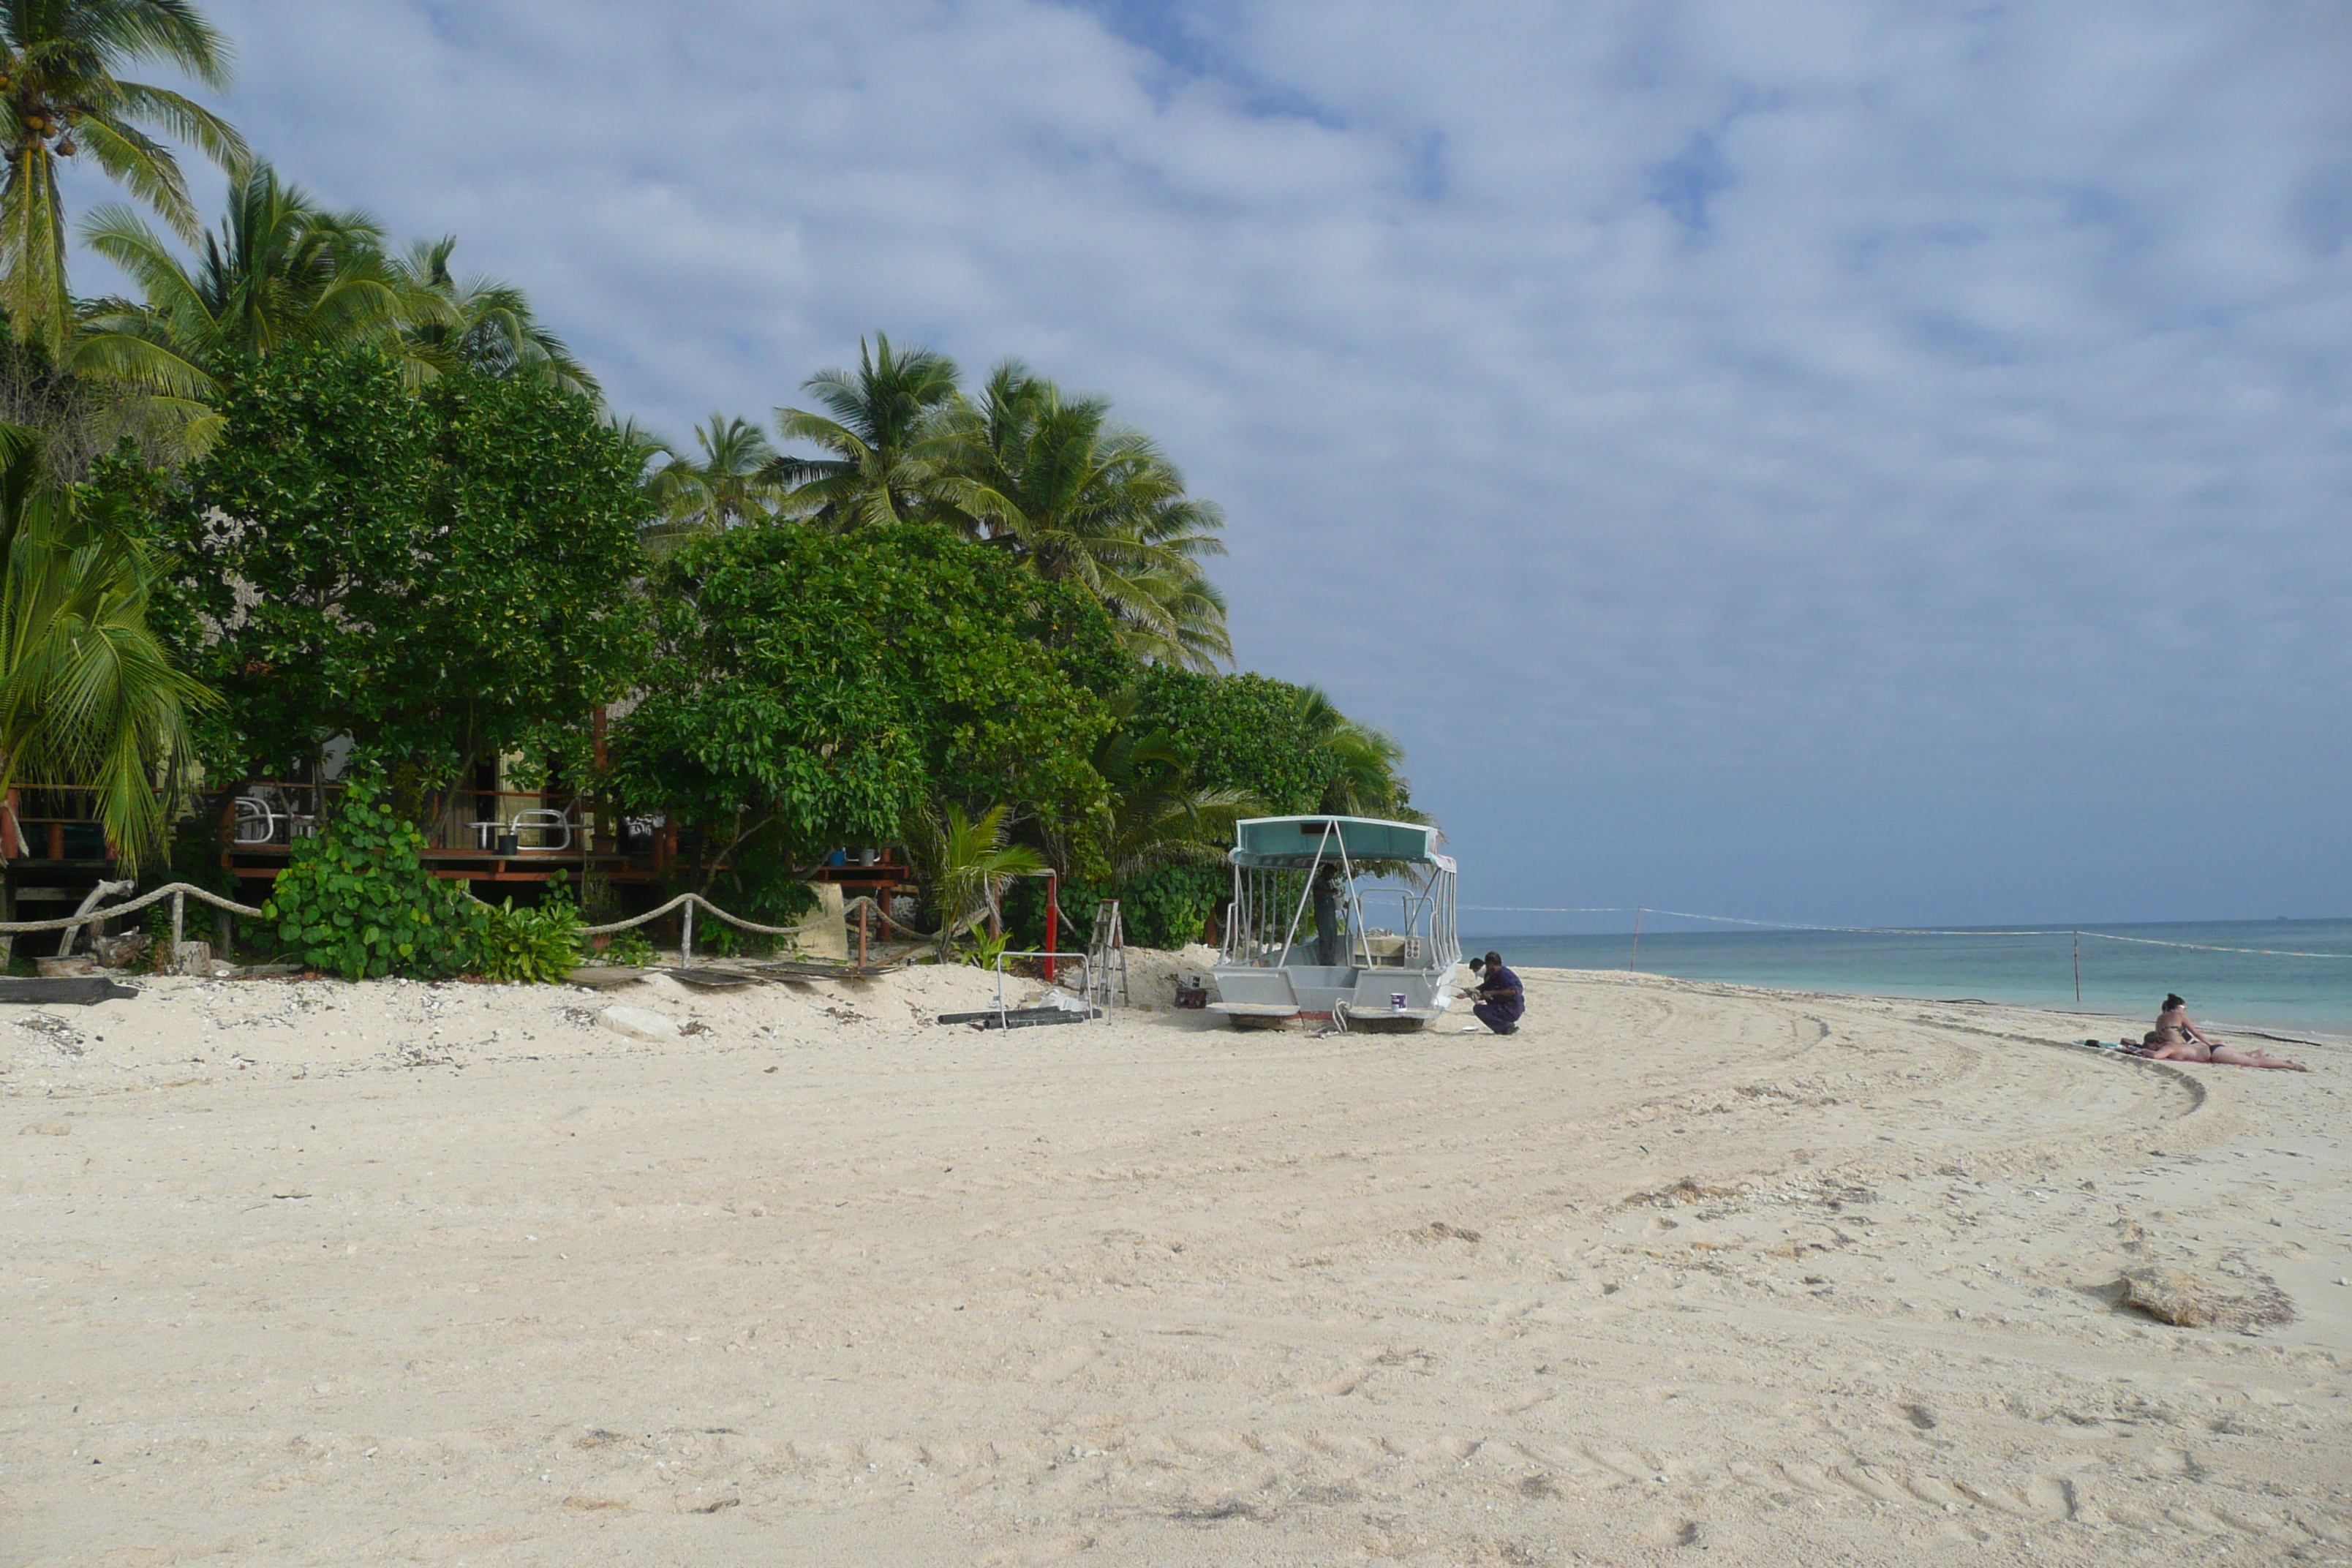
(2249, 990)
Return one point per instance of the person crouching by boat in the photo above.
(1501, 999)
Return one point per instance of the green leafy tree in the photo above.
(357, 900)
(445, 575)
(1239, 731)
(874, 424)
(814, 690)
(90, 696)
(61, 97)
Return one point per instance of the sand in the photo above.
(314, 1273)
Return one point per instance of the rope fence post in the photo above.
(2078, 969)
(179, 927)
(1635, 961)
(686, 941)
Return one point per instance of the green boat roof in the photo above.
(1285, 841)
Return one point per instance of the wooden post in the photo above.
(862, 906)
(686, 942)
(1053, 921)
(179, 927)
(2078, 969)
(1635, 961)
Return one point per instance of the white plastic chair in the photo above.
(253, 822)
(546, 821)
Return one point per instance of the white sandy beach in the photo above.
(312, 1273)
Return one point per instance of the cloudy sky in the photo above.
(1794, 458)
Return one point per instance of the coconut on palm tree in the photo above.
(61, 97)
(875, 423)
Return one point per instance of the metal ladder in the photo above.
(1107, 962)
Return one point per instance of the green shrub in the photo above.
(357, 900)
(534, 947)
(630, 947)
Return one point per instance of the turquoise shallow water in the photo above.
(2224, 988)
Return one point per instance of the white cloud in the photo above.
(1915, 435)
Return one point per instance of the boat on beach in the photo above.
(1299, 942)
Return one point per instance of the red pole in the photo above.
(1053, 921)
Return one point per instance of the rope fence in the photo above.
(116, 911)
(93, 913)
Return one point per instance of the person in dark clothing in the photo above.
(1501, 998)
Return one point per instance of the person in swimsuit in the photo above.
(2176, 1039)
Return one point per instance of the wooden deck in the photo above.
(53, 849)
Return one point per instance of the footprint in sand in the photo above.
(1026, 1556)
(1522, 1402)
(1059, 1367)
(1347, 1383)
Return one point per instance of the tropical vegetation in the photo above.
(90, 696)
(61, 99)
(305, 494)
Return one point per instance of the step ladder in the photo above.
(1107, 962)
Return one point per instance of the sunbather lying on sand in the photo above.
(2176, 1039)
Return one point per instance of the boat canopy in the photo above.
(1289, 843)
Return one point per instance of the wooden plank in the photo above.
(71, 991)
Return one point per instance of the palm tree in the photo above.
(966, 863)
(88, 696)
(1364, 777)
(1156, 815)
(732, 483)
(1190, 631)
(1083, 499)
(59, 98)
(279, 271)
(478, 322)
(875, 423)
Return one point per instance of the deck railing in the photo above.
(49, 824)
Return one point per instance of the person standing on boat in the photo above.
(1502, 1000)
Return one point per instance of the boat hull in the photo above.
(1318, 991)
